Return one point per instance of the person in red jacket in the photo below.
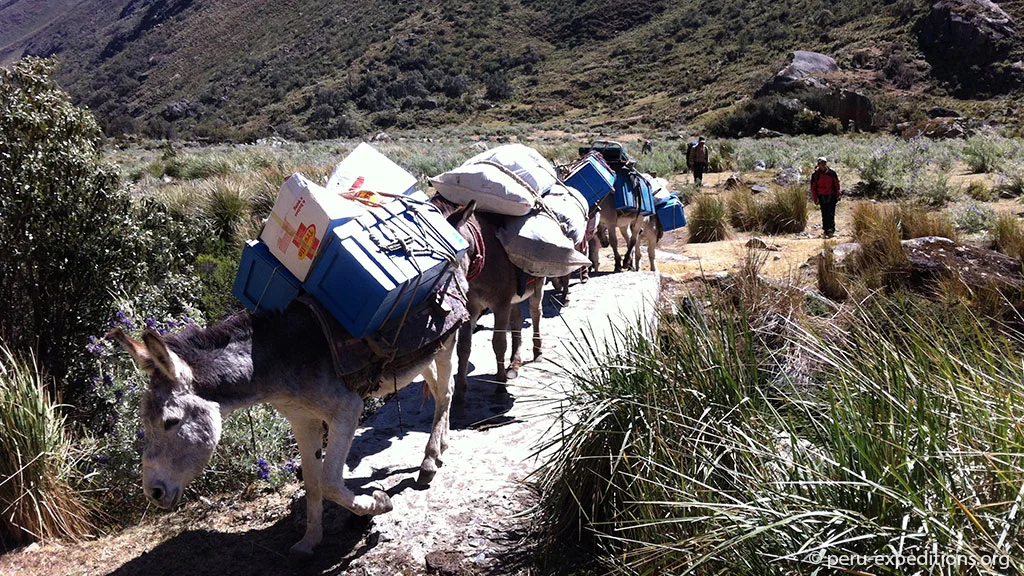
(826, 192)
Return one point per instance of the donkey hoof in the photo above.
(299, 553)
(425, 477)
(383, 502)
(511, 374)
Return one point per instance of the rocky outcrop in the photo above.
(804, 71)
(933, 258)
(805, 77)
(939, 128)
(967, 42)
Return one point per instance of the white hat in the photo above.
(822, 159)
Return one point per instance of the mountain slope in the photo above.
(229, 69)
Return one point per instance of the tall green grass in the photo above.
(708, 221)
(702, 450)
(36, 463)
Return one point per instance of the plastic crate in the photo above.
(633, 193)
(671, 214)
(376, 266)
(263, 284)
(593, 178)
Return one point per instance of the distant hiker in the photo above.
(697, 159)
(826, 192)
(648, 147)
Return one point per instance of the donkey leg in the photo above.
(652, 245)
(465, 346)
(309, 435)
(515, 326)
(440, 381)
(339, 441)
(613, 239)
(500, 342)
(536, 305)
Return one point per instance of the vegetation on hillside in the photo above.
(305, 69)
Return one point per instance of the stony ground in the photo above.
(472, 520)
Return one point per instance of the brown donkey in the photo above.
(496, 284)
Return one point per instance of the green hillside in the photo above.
(239, 69)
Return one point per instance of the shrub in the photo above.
(1011, 184)
(1008, 235)
(36, 464)
(228, 208)
(973, 218)
(744, 211)
(979, 191)
(69, 232)
(707, 222)
(786, 211)
(983, 153)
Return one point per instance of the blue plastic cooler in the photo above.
(592, 178)
(671, 214)
(373, 267)
(633, 193)
(263, 284)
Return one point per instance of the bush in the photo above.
(979, 191)
(1008, 235)
(831, 282)
(786, 211)
(881, 260)
(974, 218)
(983, 154)
(69, 232)
(1011, 184)
(36, 464)
(707, 220)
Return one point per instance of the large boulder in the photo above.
(967, 42)
(933, 258)
(804, 71)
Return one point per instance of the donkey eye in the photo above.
(171, 423)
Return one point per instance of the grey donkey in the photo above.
(633, 226)
(199, 376)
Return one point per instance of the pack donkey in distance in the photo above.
(200, 375)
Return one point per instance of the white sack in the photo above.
(659, 187)
(493, 188)
(536, 244)
(570, 208)
(524, 162)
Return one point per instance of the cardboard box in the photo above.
(302, 216)
(367, 169)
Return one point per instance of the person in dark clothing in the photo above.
(826, 192)
(648, 147)
(699, 157)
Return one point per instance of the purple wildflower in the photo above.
(107, 380)
(140, 433)
(124, 320)
(263, 469)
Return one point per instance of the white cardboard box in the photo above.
(367, 169)
(303, 214)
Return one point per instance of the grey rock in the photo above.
(803, 71)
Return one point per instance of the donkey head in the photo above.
(182, 429)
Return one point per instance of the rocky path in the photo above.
(471, 520)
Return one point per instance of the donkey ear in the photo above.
(462, 215)
(165, 359)
(137, 350)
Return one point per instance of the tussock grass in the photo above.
(697, 451)
(831, 281)
(744, 210)
(918, 222)
(978, 191)
(228, 206)
(708, 220)
(785, 211)
(1008, 235)
(36, 464)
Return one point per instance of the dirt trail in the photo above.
(465, 523)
